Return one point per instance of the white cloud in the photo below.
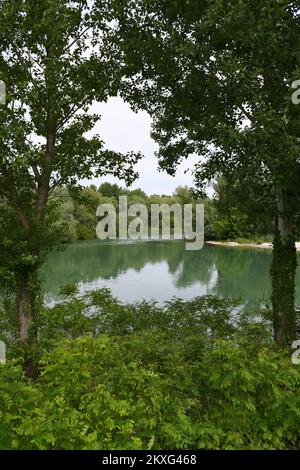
(123, 131)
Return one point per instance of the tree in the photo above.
(242, 213)
(55, 61)
(111, 190)
(216, 77)
(184, 194)
(65, 221)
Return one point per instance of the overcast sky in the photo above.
(123, 131)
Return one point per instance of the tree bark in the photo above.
(26, 311)
(27, 322)
(283, 272)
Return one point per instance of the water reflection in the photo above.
(161, 270)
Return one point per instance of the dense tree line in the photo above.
(225, 216)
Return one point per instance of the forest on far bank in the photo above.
(225, 219)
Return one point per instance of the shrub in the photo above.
(186, 375)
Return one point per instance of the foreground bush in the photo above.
(191, 374)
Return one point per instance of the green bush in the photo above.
(232, 225)
(188, 375)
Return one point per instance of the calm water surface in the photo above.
(160, 270)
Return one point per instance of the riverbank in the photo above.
(265, 245)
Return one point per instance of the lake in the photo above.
(160, 270)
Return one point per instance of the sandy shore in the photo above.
(265, 246)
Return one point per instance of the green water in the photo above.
(160, 270)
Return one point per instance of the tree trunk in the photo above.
(26, 311)
(27, 321)
(283, 272)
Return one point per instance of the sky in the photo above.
(123, 130)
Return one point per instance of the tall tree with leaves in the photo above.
(55, 62)
(216, 77)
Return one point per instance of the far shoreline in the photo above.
(264, 246)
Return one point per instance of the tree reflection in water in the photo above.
(160, 270)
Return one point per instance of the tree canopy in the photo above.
(217, 80)
(56, 60)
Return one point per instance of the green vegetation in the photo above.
(53, 73)
(76, 210)
(189, 375)
(216, 78)
(217, 82)
(224, 219)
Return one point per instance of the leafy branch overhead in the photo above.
(216, 77)
(55, 66)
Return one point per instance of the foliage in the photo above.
(241, 214)
(56, 60)
(191, 375)
(217, 82)
(80, 222)
(232, 225)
